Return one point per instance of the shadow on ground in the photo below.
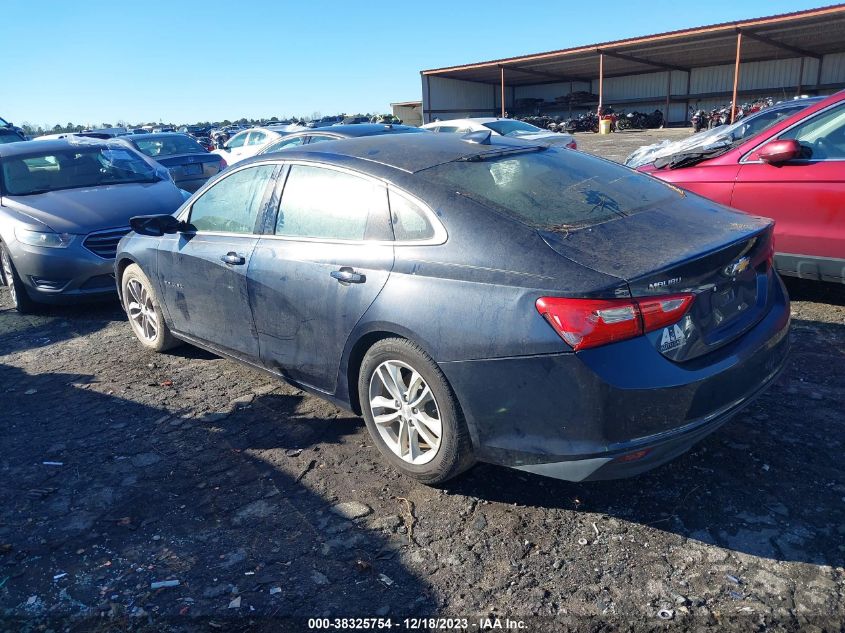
(103, 496)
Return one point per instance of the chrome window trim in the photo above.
(743, 161)
(440, 233)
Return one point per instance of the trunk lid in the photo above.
(191, 165)
(721, 256)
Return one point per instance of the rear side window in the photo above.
(232, 205)
(256, 138)
(327, 204)
(410, 222)
(551, 189)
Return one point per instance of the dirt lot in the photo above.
(122, 468)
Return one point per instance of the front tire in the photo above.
(412, 413)
(20, 299)
(144, 311)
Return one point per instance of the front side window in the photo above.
(318, 138)
(327, 204)
(232, 205)
(74, 168)
(823, 136)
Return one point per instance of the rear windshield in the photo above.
(169, 146)
(73, 168)
(553, 189)
(509, 127)
(9, 136)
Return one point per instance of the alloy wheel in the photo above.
(142, 313)
(405, 412)
(8, 275)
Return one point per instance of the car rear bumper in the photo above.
(63, 275)
(581, 416)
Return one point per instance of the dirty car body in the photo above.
(592, 322)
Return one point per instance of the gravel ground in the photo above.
(122, 468)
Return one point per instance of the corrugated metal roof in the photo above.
(810, 33)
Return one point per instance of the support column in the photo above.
(502, 70)
(736, 74)
(601, 83)
(668, 95)
(800, 78)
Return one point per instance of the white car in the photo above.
(250, 142)
(503, 127)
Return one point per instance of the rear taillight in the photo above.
(585, 323)
(658, 312)
(223, 164)
(572, 144)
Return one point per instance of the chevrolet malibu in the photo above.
(475, 298)
(64, 205)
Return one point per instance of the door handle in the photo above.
(233, 258)
(347, 275)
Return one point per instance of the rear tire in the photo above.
(411, 408)
(20, 299)
(144, 311)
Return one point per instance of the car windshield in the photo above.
(713, 142)
(169, 146)
(512, 128)
(73, 168)
(551, 189)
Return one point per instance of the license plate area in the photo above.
(194, 169)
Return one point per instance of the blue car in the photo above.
(475, 298)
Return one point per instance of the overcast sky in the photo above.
(95, 61)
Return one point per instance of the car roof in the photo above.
(25, 148)
(804, 101)
(480, 120)
(406, 152)
(352, 130)
(155, 135)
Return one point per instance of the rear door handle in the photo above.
(347, 275)
(233, 258)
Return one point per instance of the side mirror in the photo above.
(155, 225)
(780, 151)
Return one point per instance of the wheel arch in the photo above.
(357, 346)
(121, 264)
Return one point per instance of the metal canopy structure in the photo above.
(806, 34)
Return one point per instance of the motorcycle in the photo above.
(698, 120)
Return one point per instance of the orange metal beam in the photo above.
(601, 83)
(502, 68)
(736, 74)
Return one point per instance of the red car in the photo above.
(792, 172)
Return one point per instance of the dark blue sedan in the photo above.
(475, 298)
(188, 162)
